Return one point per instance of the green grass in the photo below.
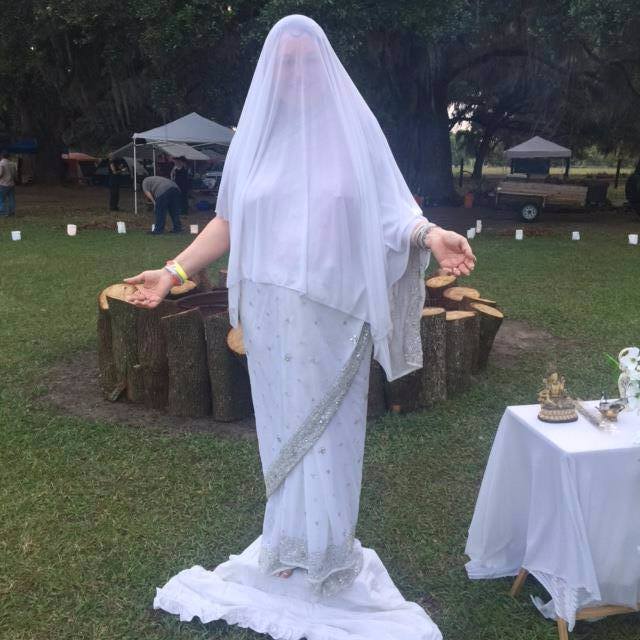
(94, 516)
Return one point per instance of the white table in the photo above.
(562, 502)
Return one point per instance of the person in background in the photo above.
(117, 169)
(180, 175)
(8, 173)
(166, 198)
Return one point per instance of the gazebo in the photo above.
(178, 138)
(534, 156)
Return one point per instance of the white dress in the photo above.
(309, 368)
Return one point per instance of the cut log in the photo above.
(210, 303)
(466, 303)
(490, 320)
(376, 400)
(201, 280)
(152, 354)
(235, 342)
(124, 341)
(428, 385)
(436, 285)
(189, 391)
(107, 373)
(222, 278)
(433, 384)
(182, 290)
(229, 379)
(119, 291)
(462, 345)
(452, 297)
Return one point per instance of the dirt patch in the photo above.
(73, 389)
(516, 339)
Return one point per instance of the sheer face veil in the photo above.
(313, 195)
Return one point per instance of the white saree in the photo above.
(321, 276)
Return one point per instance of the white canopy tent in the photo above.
(181, 136)
(174, 149)
(538, 147)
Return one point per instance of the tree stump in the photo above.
(466, 303)
(462, 340)
(436, 285)
(433, 383)
(210, 302)
(124, 342)
(235, 342)
(376, 400)
(229, 379)
(112, 386)
(152, 354)
(189, 287)
(452, 297)
(403, 393)
(189, 391)
(490, 320)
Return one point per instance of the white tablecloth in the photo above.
(563, 502)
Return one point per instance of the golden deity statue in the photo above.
(556, 405)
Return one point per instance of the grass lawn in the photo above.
(94, 516)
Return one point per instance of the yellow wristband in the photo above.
(181, 272)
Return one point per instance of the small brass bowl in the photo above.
(610, 410)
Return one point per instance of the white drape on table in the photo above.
(561, 500)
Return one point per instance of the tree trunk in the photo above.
(108, 374)
(453, 296)
(189, 388)
(436, 286)
(411, 99)
(433, 330)
(152, 354)
(490, 320)
(376, 401)
(229, 379)
(124, 334)
(462, 341)
(481, 155)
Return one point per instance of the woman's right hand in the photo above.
(151, 288)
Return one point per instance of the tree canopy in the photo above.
(87, 74)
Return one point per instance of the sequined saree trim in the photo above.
(328, 571)
(316, 422)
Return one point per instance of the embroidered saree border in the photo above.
(316, 422)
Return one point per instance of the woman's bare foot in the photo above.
(285, 574)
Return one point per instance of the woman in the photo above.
(327, 249)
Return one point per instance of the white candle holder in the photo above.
(72, 229)
(193, 228)
(519, 234)
(478, 226)
(471, 233)
(121, 226)
(16, 235)
(633, 238)
(575, 235)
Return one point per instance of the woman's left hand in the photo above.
(452, 251)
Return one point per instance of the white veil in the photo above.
(314, 197)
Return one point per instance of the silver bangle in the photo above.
(419, 235)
